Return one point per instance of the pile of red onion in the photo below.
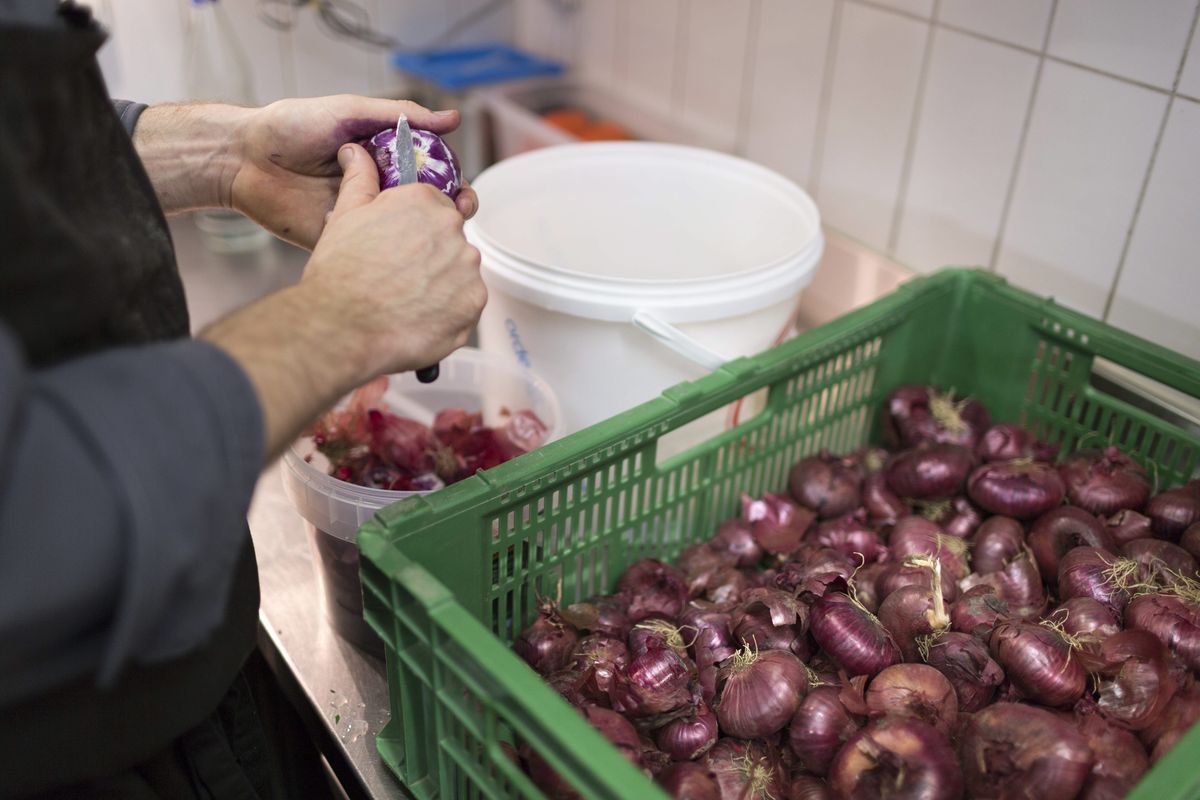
(966, 615)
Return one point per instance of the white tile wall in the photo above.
(1189, 80)
(922, 8)
(712, 87)
(653, 47)
(976, 98)
(1157, 293)
(1089, 146)
(1019, 22)
(876, 76)
(1141, 41)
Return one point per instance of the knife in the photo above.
(406, 164)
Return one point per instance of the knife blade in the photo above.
(406, 165)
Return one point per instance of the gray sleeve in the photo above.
(124, 483)
(128, 112)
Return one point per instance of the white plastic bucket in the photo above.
(334, 510)
(617, 270)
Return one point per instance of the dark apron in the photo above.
(86, 263)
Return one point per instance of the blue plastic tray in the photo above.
(455, 69)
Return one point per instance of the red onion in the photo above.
(849, 536)
(827, 484)
(736, 538)
(1119, 759)
(761, 691)
(1005, 442)
(1160, 561)
(1019, 585)
(1181, 713)
(870, 459)
(810, 570)
(783, 607)
(1104, 481)
(956, 517)
(898, 758)
(603, 656)
(1174, 620)
(1087, 620)
(699, 563)
(547, 644)
(745, 770)
(573, 686)
(600, 615)
(913, 571)
(915, 536)
(727, 585)
(1172, 512)
(996, 542)
(688, 738)
(756, 629)
(916, 414)
(1059, 530)
(911, 613)
(852, 635)
(866, 585)
(1135, 686)
(965, 662)
(613, 726)
(914, 690)
(654, 589)
(706, 627)
(777, 523)
(689, 781)
(653, 683)
(1126, 526)
(656, 632)
(1039, 663)
(436, 163)
(977, 611)
(882, 505)
(1095, 573)
(818, 729)
(930, 472)
(808, 787)
(1019, 488)
(1014, 750)
(1190, 540)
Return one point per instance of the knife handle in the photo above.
(428, 374)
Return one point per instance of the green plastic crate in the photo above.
(450, 578)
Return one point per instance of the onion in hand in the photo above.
(436, 163)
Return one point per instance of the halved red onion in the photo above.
(916, 414)
(777, 524)
(897, 757)
(914, 690)
(1039, 663)
(852, 635)
(436, 163)
(760, 692)
(688, 738)
(653, 589)
(1059, 530)
(1014, 750)
(1104, 481)
(930, 471)
(965, 662)
(995, 543)
(1019, 488)
(828, 484)
(819, 728)
(1126, 526)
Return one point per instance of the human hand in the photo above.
(288, 176)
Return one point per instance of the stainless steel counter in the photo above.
(339, 692)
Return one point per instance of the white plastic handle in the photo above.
(677, 340)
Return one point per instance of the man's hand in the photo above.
(289, 176)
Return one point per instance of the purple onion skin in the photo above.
(962, 520)
(965, 662)
(978, 611)
(1016, 488)
(852, 636)
(1172, 512)
(882, 505)
(1082, 573)
(914, 690)
(736, 537)
(1011, 750)
(1038, 663)
(437, 165)
(1175, 622)
(898, 758)
(914, 536)
(1104, 481)
(828, 485)
(1158, 559)
(849, 536)
(1127, 526)
(688, 738)
(1119, 762)
(930, 472)
(909, 419)
(1019, 585)
(760, 693)
(907, 614)
(547, 644)
(809, 787)
(1190, 540)
(995, 543)
(1088, 620)
(1059, 530)
(745, 770)
(653, 589)
(654, 682)
(688, 781)
(1005, 442)
(819, 728)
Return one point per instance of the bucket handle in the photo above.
(677, 340)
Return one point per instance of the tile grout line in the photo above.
(679, 68)
(749, 69)
(914, 127)
(1011, 190)
(1141, 198)
(825, 100)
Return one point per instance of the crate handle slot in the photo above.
(677, 340)
(1147, 394)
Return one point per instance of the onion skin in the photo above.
(1190, 540)
(866, 585)
(819, 728)
(995, 543)
(977, 611)
(1119, 762)
(1136, 684)
(851, 635)
(849, 536)
(898, 758)
(654, 589)
(436, 163)
(604, 656)
(653, 683)
(808, 787)
(547, 644)
(1104, 481)
(917, 536)
(930, 472)
(602, 615)
(914, 690)
(1175, 622)
(1127, 526)
(1038, 663)
(1005, 442)
(745, 770)
(1017, 488)
(1019, 585)
(776, 523)
(1158, 559)
(882, 505)
(1011, 750)
(959, 518)
(688, 738)
(1172, 512)
(1088, 620)
(760, 693)
(811, 570)
(736, 537)
(828, 485)
(699, 563)
(688, 781)
(902, 574)
(910, 613)
(971, 671)
(916, 414)
(1059, 530)
(756, 629)
(1084, 572)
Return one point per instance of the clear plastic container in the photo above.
(334, 510)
